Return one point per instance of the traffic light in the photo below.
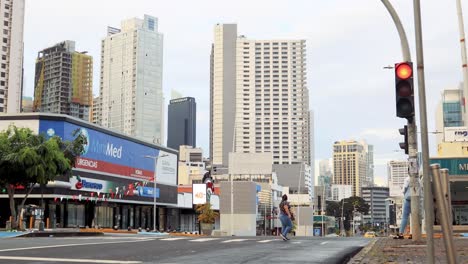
(404, 132)
(404, 90)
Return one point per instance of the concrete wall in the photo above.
(244, 205)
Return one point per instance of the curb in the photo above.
(363, 252)
(61, 234)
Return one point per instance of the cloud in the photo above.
(380, 133)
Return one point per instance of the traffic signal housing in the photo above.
(404, 145)
(404, 90)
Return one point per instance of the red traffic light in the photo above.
(404, 71)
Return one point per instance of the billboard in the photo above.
(456, 134)
(199, 193)
(110, 154)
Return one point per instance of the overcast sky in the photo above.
(348, 44)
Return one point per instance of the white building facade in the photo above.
(11, 72)
(259, 85)
(131, 79)
(340, 192)
(397, 172)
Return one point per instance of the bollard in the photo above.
(30, 222)
(445, 181)
(47, 223)
(444, 220)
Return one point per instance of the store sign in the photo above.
(456, 166)
(115, 155)
(147, 191)
(456, 134)
(199, 193)
(89, 185)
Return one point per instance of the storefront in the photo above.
(112, 182)
(458, 173)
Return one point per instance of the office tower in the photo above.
(259, 98)
(11, 71)
(182, 122)
(369, 149)
(449, 111)
(375, 197)
(349, 164)
(63, 82)
(396, 173)
(131, 79)
(96, 113)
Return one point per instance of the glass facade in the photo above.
(452, 114)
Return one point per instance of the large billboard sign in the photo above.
(199, 193)
(456, 134)
(110, 154)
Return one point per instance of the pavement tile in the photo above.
(388, 250)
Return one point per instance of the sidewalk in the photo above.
(389, 250)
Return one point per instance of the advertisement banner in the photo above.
(114, 155)
(90, 185)
(199, 193)
(456, 134)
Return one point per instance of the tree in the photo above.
(206, 214)
(27, 159)
(353, 204)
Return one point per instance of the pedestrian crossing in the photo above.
(223, 240)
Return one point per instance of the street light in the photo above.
(154, 186)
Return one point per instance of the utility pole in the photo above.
(428, 201)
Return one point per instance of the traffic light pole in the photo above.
(414, 180)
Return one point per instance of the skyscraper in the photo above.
(131, 79)
(396, 173)
(11, 71)
(182, 122)
(349, 165)
(63, 82)
(259, 98)
(369, 149)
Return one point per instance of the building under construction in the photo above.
(64, 81)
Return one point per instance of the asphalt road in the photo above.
(129, 249)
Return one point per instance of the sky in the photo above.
(348, 44)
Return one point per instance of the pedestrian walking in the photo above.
(285, 217)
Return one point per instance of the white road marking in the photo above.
(234, 240)
(73, 245)
(203, 239)
(61, 260)
(323, 243)
(296, 242)
(172, 238)
(266, 241)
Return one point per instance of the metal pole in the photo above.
(401, 31)
(445, 182)
(463, 54)
(428, 201)
(298, 196)
(342, 222)
(232, 206)
(154, 193)
(441, 204)
(323, 208)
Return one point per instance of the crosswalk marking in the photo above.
(203, 239)
(234, 240)
(323, 243)
(266, 241)
(172, 238)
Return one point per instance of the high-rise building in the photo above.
(64, 81)
(449, 112)
(349, 165)
(96, 117)
(182, 122)
(375, 197)
(397, 170)
(11, 72)
(259, 98)
(370, 164)
(131, 79)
